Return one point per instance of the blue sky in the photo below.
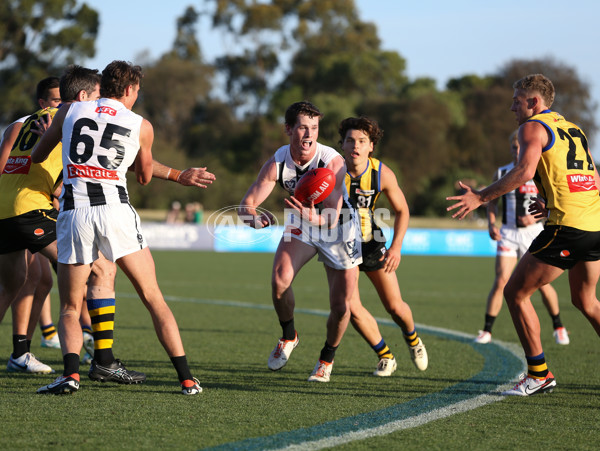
(438, 39)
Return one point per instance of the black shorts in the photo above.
(372, 251)
(33, 230)
(563, 246)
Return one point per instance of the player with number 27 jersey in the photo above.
(98, 178)
(565, 175)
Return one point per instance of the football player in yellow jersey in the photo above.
(366, 179)
(555, 153)
(32, 297)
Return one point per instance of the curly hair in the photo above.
(364, 124)
(117, 76)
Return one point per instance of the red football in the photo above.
(315, 185)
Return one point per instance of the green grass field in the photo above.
(223, 307)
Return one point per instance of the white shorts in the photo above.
(115, 230)
(338, 248)
(516, 241)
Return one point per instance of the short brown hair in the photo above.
(76, 79)
(117, 76)
(364, 124)
(537, 83)
(303, 108)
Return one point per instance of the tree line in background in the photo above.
(227, 114)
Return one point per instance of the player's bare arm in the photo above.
(51, 137)
(391, 189)
(198, 177)
(143, 161)
(532, 139)
(256, 195)
(8, 140)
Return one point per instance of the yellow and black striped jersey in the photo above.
(363, 192)
(565, 175)
(26, 186)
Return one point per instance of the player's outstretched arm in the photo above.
(50, 137)
(199, 177)
(256, 195)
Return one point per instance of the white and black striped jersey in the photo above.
(288, 172)
(101, 140)
(515, 203)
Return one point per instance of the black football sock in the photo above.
(556, 322)
(328, 353)
(181, 366)
(288, 329)
(19, 346)
(489, 323)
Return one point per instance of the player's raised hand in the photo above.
(467, 202)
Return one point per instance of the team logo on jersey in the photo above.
(528, 188)
(17, 165)
(581, 182)
(565, 253)
(106, 110)
(364, 192)
(38, 232)
(88, 172)
(290, 185)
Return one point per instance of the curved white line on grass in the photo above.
(502, 364)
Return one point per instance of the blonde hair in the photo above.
(513, 137)
(537, 83)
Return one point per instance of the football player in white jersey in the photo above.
(101, 139)
(331, 230)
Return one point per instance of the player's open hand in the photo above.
(307, 212)
(41, 124)
(538, 209)
(467, 202)
(199, 177)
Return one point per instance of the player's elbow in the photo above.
(36, 157)
(144, 180)
(144, 177)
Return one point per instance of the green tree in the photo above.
(38, 39)
(573, 98)
(175, 84)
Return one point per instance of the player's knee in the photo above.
(280, 282)
(69, 311)
(340, 309)
(587, 308)
(103, 273)
(99, 292)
